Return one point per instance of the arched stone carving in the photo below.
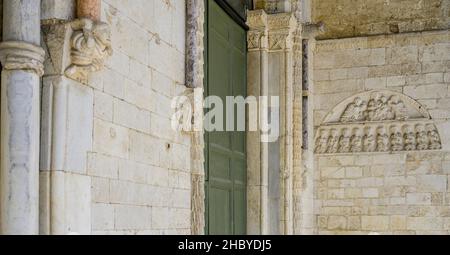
(377, 121)
(373, 106)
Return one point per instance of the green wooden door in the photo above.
(225, 151)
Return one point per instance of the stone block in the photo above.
(338, 74)
(103, 106)
(321, 75)
(418, 199)
(163, 84)
(394, 81)
(102, 217)
(337, 223)
(437, 52)
(375, 223)
(370, 193)
(102, 166)
(100, 190)
(403, 55)
(128, 217)
(431, 183)
(57, 9)
(398, 222)
(425, 223)
(110, 139)
(77, 204)
(145, 148)
(139, 95)
(128, 115)
(160, 218)
(377, 57)
(133, 172)
(114, 83)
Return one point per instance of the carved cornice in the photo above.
(78, 48)
(18, 55)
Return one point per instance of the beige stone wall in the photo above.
(349, 18)
(389, 193)
(139, 166)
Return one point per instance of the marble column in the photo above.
(21, 58)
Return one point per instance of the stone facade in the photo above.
(364, 125)
(345, 18)
(382, 179)
(140, 168)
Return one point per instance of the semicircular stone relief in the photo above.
(377, 121)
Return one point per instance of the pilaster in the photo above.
(257, 151)
(76, 48)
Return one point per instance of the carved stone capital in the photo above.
(257, 38)
(281, 29)
(78, 48)
(17, 55)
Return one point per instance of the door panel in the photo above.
(226, 161)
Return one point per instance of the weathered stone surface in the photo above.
(359, 18)
(400, 192)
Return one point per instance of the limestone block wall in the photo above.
(349, 18)
(361, 188)
(139, 166)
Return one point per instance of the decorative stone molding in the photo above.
(17, 55)
(78, 48)
(380, 121)
(380, 105)
(281, 27)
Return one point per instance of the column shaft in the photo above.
(22, 66)
(89, 9)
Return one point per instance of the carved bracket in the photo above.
(270, 31)
(78, 48)
(380, 121)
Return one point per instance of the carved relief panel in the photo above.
(380, 121)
